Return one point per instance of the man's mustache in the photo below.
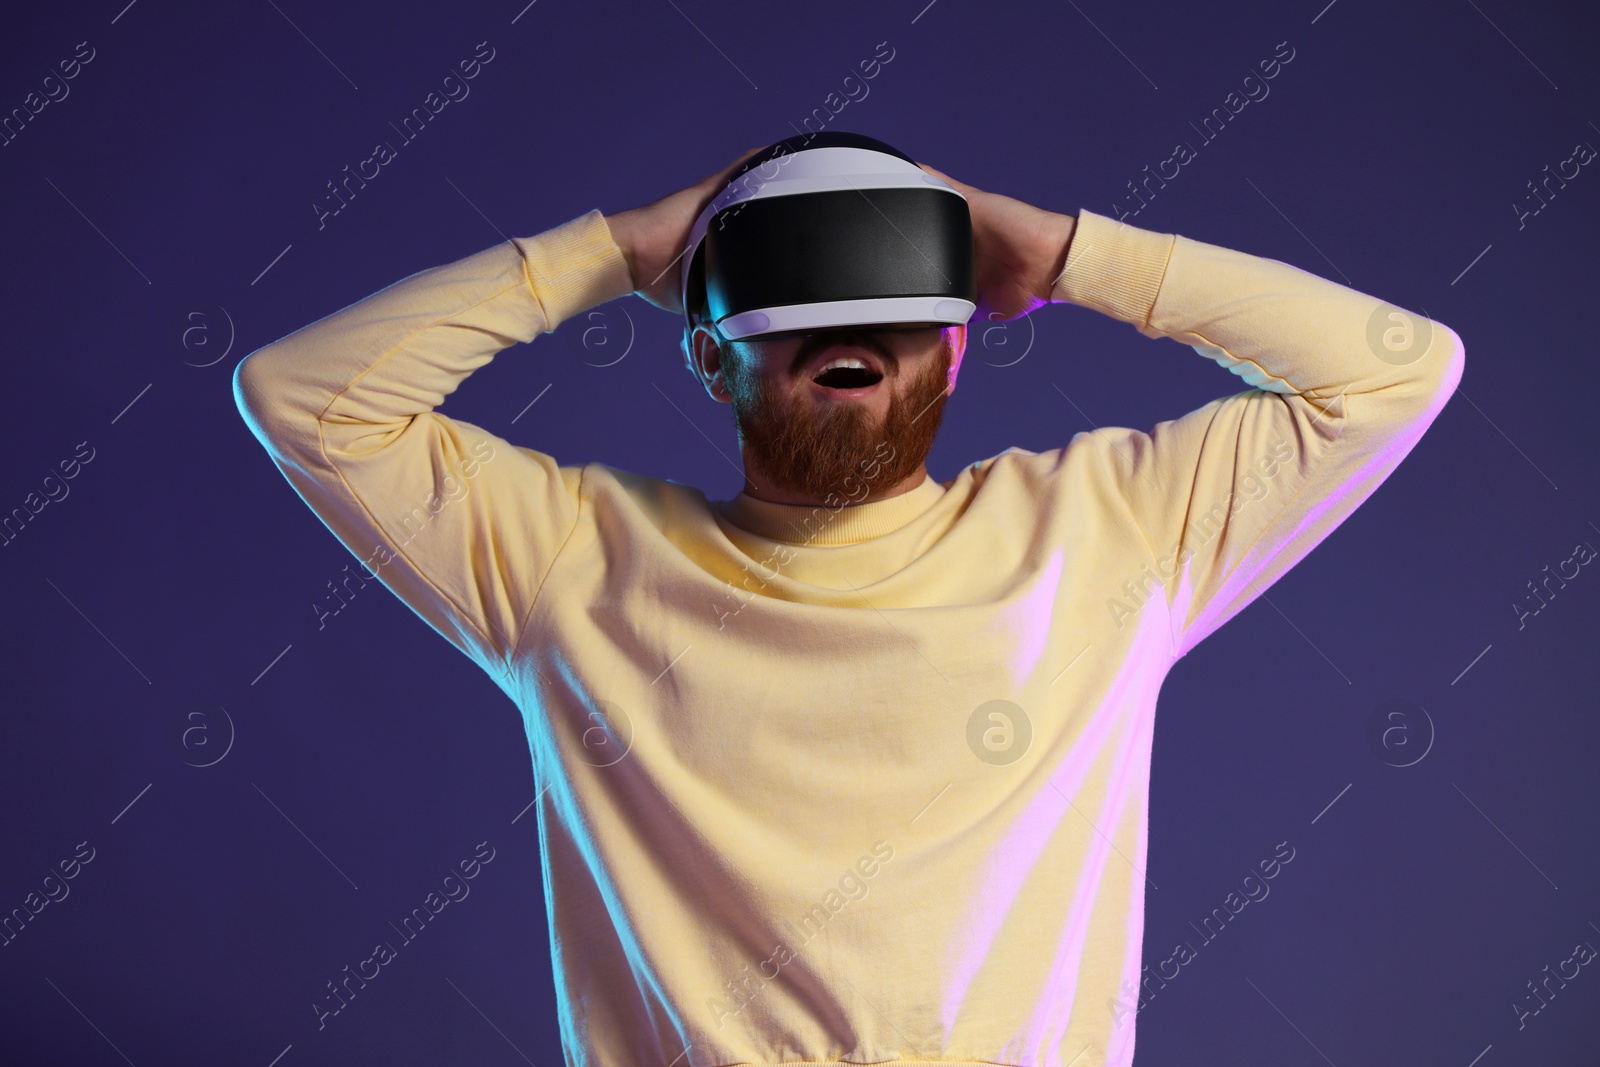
(860, 337)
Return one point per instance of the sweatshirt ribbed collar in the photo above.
(805, 524)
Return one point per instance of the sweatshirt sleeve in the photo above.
(1231, 495)
(460, 524)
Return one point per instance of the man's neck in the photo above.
(778, 495)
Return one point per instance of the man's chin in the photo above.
(840, 450)
(829, 458)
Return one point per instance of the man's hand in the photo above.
(1020, 251)
(652, 237)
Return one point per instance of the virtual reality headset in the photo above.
(829, 229)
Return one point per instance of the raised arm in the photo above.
(1233, 494)
(460, 524)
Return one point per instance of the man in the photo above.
(851, 768)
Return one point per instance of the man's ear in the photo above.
(705, 359)
(959, 337)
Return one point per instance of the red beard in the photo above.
(822, 452)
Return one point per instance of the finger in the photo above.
(727, 171)
(942, 176)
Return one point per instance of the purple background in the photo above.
(177, 578)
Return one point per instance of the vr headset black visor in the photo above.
(845, 231)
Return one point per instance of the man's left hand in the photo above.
(1020, 249)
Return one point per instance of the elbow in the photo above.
(247, 393)
(1426, 372)
(1448, 359)
(253, 395)
(1432, 379)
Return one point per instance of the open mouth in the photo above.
(845, 378)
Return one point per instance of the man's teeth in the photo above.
(843, 361)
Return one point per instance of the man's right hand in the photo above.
(652, 237)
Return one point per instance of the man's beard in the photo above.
(835, 453)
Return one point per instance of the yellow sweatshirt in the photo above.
(854, 785)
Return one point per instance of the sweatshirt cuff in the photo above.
(573, 267)
(1114, 268)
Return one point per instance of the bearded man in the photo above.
(853, 767)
